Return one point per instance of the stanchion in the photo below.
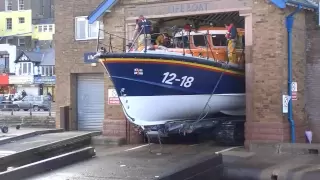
(30, 110)
(50, 109)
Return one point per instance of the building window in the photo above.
(47, 71)
(9, 40)
(86, 31)
(26, 68)
(50, 28)
(8, 5)
(20, 5)
(42, 71)
(40, 29)
(30, 69)
(21, 42)
(9, 23)
(45, 28)
(21, 20)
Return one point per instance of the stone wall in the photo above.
(268, 78)
(29, 121)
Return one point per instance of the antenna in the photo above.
(279, 3)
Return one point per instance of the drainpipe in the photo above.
(289, 24)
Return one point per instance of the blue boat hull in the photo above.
(146, 81)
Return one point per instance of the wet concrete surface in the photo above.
(132, 162)
(256, 166)
(36, 141)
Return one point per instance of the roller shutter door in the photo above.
(90, 101)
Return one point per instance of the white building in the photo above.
(12, 51)
(34, 72)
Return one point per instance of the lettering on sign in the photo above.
(294, 90)
(191, 7)
(113, 98)
(294, 86)
(285, 103)
(171, 8)
(184, 81)
(187, 7)
(91, 57)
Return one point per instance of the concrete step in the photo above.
(48, 164)
(36, 148)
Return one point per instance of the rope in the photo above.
(207, 103)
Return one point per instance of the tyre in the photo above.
(36, 108)
(26, 109)
(18, 127)
(5, 129)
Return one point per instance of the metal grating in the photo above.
(219, 19)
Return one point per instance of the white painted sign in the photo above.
(285, 103)
(113, 98)
(20, 79)
(294, 90)
(294, 86)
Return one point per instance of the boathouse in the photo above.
(282, 38)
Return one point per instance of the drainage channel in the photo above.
(45, 156)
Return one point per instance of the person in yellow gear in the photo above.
(232, 40)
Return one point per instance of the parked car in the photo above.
(35, 102)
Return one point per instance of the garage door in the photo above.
(90, 101)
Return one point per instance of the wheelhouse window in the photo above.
(182, 42)
(219, 40)
(200, 40)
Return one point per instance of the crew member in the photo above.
(143, 31)
(232, 39)
(162, 40)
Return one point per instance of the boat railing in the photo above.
(181, 46)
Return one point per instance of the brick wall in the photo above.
(69, 62)
(69, 52)
(267, 75)
(313, 75)
(266, 67)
